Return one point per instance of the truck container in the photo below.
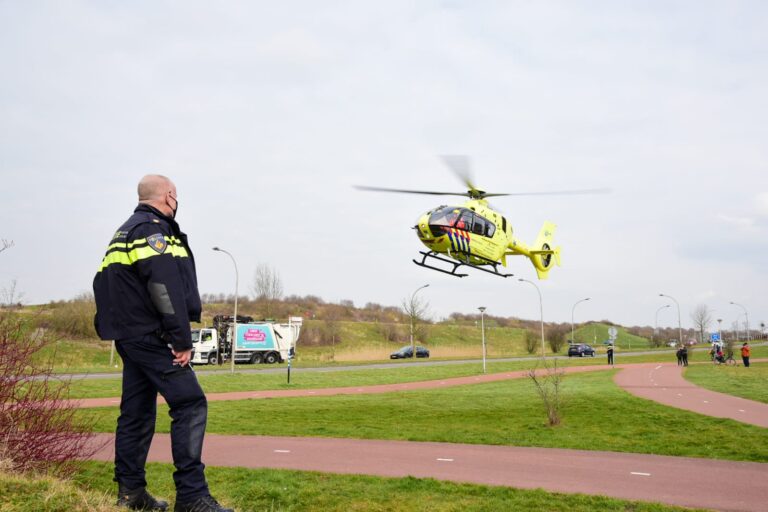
(255, 342)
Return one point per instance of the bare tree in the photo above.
(531, 340)
(5, 244)
(556, 334)
(9, 296)
(332, 329)
(548, 382)
(416, 310)
(701, 317)
(267, 286)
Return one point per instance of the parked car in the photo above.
(581, 350)
(407, 352)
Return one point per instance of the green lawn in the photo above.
(281, 490)
(598, 416)
(739, 381)
(223, 381)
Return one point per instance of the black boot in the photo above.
(201, 504)
(139, 499)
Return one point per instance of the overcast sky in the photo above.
(265, 114)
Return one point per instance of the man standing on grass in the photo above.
(745, 353)
(146, 295)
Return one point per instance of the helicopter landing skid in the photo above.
(456, 265)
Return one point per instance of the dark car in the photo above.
(581, 350)
(407, 352)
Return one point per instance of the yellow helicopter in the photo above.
(474, 234)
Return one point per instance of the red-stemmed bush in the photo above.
(39, 427)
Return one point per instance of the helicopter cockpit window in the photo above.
(465, 221)
(445, 217)
(483, 227)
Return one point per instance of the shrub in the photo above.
(532, 340)
(39, 429)
(548, 382)
(74, 318)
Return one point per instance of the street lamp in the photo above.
(573, 340)
(679, 324)
(482, 330)
(233, 339)
(719, 329)
(541, 312)
(656, 324)
(412, 314)
(745, 314)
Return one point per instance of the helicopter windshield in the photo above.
(446, 216)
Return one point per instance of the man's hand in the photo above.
(182, 358)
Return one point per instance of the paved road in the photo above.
(672, 480)
(664, 383)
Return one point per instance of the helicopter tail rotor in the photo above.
(544, 254)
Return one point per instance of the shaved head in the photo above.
(157, 190)
(153, 187)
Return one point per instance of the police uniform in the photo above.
(146, 295)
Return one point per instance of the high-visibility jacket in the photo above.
(147, 281)
(745, 351)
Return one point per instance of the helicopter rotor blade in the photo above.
(404, 191)
(557, 192)
(461, 167)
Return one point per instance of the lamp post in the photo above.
(679, 324)
(745, 314)
(541, 312)
(656, 323)
(482, 330)
(233, 338)
(719, 329)
(412, 314)
(573, 340)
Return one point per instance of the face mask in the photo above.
(174, 210)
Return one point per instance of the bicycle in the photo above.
(726, 360)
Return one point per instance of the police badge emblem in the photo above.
(157, 242)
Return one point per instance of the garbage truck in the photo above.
(255, 342)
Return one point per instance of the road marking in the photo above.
(658, 367)
(742, 410)
(706, 401)
(445, 460)
(115, 401)
(639, 474)
(312, 392)
(679, 394)
(282, 451)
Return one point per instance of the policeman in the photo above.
(146, 295)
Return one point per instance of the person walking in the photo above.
(684, 355)
(679, 355)
(745, 353)
(146, 295)
(610, 354)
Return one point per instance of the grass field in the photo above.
(747, 383)
(598, 416)
(220, 381)
(281, 490)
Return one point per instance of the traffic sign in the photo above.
(612, 332)
(715, 336)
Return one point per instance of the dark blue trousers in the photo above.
(148, 369)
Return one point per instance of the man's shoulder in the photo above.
(143, 223)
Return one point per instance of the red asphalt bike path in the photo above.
(671, 480)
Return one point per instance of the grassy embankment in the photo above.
(597, 415)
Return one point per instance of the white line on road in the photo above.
(742, 410)
(282, 451)
(658, 367)
(445, 460)
(706, 401)
(639, 474)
